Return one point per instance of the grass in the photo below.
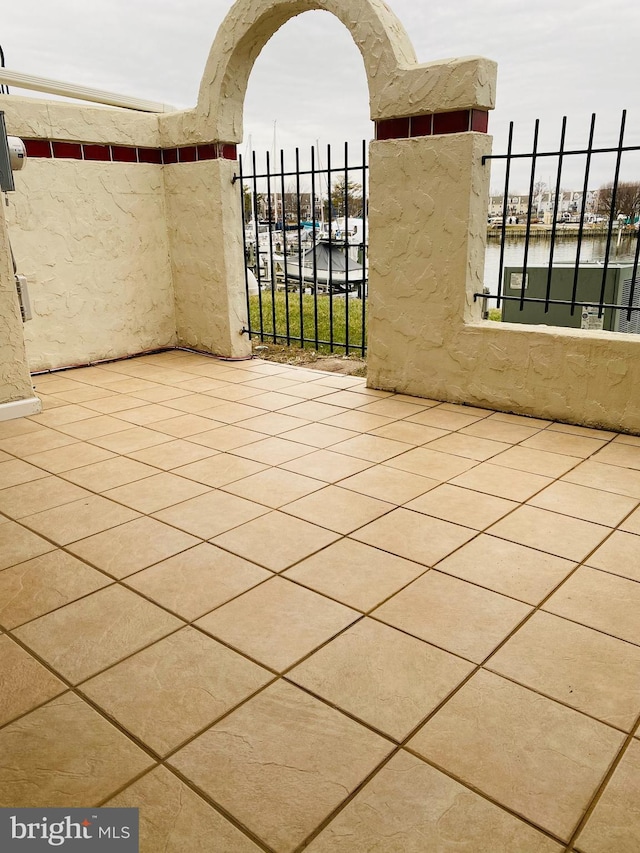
(327, 309)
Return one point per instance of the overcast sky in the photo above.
(554, 58)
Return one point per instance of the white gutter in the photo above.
(82, 93)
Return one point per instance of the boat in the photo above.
(324, 266)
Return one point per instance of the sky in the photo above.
(308, 86)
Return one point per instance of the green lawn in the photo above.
(327, 309)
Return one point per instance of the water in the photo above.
(592, 249)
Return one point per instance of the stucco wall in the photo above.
(427, 231)
(90, 237)
(205, 227)
(15, 382)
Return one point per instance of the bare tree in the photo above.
(626, 201)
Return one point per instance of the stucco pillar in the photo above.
(207, 255)
(427, 220)
(16, 391)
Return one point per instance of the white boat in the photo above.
(324, 266)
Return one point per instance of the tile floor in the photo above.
(276, 611)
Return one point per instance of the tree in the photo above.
(353, 192)
(627, 199)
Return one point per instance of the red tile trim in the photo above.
(124, 154)
(96, 152)
(38, 147)
(129, 153)
(67, 150)
(150, 155)
(431, 124)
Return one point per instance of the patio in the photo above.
(277, 610)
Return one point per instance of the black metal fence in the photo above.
(305, 241)
(586, 274)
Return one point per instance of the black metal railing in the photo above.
(305, 240)
(560, 286)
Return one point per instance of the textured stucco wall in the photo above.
(205, 227)
(91, 238)
(427, 232)
(15, 382)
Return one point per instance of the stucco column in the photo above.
(427, 219)
(16, 391)
(207, 255)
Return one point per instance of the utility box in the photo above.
(617, 290)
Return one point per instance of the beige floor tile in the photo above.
(442, 418)
(410, 807)
(391, 407)
(135, 438)
(274, 401)
(582, 502)
(19, 426)
(117, 471)
(462, 506)
(358, 421)
(523, 420)
(609, 478)
(38, 495)
(549, 531)
(35, 442)
(13, 472)
(506, 567)
(499, 431)
(614, 825)
(587, 432)
(219, 470)
(622, 438)
(502, 482)
(632, 524)
(63, 415)
(168, 692)
(565, 443)
(5, 457)
(202, 383)
(389, 484)
(355, 574)
(576, 665)
(83, 637)
(231, 413)
(414, 536)
(65, 459)
(468, 446)
(371, 447)
(172, 454)
(535, 461)
(600, 600)
(93, 427)
(274, 487)
(63, 754)
(114, 404)
(431, 463)
(338, 509)
(18, 544)
(312, 410)
(278, 622)
(25, 682)
(326, 465)
(228, 437)
(126, 549)
(79, 519)
(384, 677)
(157, 492)
(146, 415)
(273, 450)
(310, 391)
(174, 819)
(344, 399)
(409, 433)
(457, 616)
(272, 383)
(275, 541)
(274, 423)
(42, 584)
(318, 435)
(538, 758)
(210, 514)
(620, 555)
(287, 762)
(184, 426)
(85, 394)
(195, 581)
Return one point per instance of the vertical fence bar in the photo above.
(554, 224)
(365, 282)
(634, 273)
(244, 246)
(257, 239)
(612, 213)
(346, 248)
(284, 246)
(585, 192)
(300, 267)
(330, 270)
(527, 235)
(505, 201)
(273, 272)
(313, 253)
